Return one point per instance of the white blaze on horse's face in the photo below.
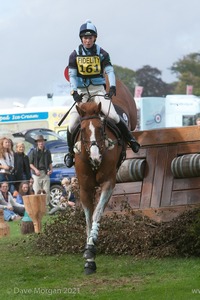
(95, 154)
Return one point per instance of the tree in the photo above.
(147, 77)
(127, 76)
(150, 79)
(187, 71)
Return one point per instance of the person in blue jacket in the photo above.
(87, 66)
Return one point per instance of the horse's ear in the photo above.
(80, 111)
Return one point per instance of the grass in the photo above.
(26, 274)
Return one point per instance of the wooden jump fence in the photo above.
(163, 178)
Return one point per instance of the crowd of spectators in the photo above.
(22, 175)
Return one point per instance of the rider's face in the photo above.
(88, 41)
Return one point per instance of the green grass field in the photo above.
(26, 274)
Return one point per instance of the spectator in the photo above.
(198, 121)
(11, 208)
(31, 186)
(6, 162)
(11, 146)
(67, 198)
(21, 165)
(75, 190)
(24, 190)
(41, 164)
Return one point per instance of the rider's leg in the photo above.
(69, 158)
(108, 106)
(128, 136)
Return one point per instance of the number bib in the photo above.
(88, 65)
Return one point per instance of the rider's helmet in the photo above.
(87, 29)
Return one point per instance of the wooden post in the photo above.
(35, 206)
(27, 224)
(4, 227)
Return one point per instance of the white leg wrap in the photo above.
(93, 233)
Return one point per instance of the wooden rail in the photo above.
(159, 195)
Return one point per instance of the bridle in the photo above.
(100, 143)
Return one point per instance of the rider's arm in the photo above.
(109, 70)
(73, 79)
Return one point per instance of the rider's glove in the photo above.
(112, 92)
(77, 97)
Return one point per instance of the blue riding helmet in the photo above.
(87, 29)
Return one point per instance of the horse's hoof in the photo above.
(90, 252)
(90, 268)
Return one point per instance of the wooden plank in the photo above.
(168, 135)
(165, 214)
(186, 183)
(185, 197)
(148, 177)
(127, 188)
(168, 178)
(121, 202)
(187, 148)
(158, 176)
(141, 154)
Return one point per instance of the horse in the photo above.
(98, 154)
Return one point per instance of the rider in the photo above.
(87, 65)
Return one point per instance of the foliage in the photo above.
(132, 235)
(127, 76)
(153, 85)
(147, 77)
(187, 70)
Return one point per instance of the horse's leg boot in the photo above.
(90, 267)
(69, 157)
(135, 146)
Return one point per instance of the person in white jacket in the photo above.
(12, 210)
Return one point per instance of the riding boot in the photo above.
(128, 136)
(69, 157)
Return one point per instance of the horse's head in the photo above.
(92, 133)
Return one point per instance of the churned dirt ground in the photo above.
(124, 234)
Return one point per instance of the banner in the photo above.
(138, 91)
(189, 89)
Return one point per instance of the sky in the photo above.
(37, 37)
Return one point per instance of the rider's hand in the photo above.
(77, 97)
(112, 92)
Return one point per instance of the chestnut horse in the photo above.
(97, 156)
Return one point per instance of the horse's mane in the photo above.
(89, 109)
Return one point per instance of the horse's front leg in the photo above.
(106, 193)
(90, 250)
(87, 200)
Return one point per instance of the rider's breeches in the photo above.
(106, 105)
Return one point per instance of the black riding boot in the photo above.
(128, 136)
(69, 157)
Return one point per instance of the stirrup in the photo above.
(134, 145)
(69, 160)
